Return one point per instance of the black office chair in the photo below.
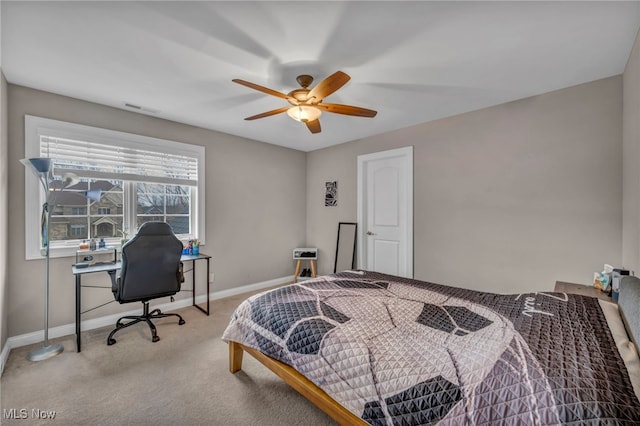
(151, 268)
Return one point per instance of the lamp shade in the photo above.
(304, 113)
(39, 165)
(94, 194)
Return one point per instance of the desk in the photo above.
(112, 268)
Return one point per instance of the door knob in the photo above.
(370, 233)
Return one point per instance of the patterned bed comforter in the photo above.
(406, 352)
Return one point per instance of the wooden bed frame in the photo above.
(304, 386)
(629, 304)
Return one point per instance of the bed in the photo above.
(370, 348)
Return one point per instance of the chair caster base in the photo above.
(145, 317)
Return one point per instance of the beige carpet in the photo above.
(181, 380)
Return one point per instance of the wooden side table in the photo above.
(305, 253)
(299, 267)
(581, 289)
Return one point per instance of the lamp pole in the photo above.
(42, 168)
(46, 351)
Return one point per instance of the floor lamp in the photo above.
(42, 168)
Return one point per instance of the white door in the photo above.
(385, 212)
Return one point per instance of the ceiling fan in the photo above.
(306, 104)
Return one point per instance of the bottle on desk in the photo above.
(92, 244)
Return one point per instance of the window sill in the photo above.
(72, 251)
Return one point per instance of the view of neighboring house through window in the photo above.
(141, 179)
(70, 221)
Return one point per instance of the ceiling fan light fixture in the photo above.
(304, 113)
(308, 103)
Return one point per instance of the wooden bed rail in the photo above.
(297, 381)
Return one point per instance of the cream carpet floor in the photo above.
(181, 380)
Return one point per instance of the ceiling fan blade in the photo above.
(268, 113)
(264, 90)
(347, 110)
(328, 86)
(313, 126)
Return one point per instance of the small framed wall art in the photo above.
(331, 194)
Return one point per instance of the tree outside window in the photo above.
(165, 203)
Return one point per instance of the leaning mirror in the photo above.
(346, 246)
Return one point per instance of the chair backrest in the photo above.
(150, 264)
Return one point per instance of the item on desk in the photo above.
(82, 265)
(84, 245)
(102, 244)
(92, 244)
(186, 248)
(195, 247)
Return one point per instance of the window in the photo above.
(166, 203)
(78, 231)
(141, 179)
(70, 221)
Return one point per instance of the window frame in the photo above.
(35, 127)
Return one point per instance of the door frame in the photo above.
(407, 154)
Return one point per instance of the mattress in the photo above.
(398, 351)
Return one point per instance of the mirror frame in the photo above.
(355, 239)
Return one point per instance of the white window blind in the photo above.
(105, 161)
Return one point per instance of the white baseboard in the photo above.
(67, 329)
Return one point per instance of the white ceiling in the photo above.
(413, 62)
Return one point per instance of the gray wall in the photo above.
(631, 158)
(252, 219)
(506, 199)
(4, 212)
